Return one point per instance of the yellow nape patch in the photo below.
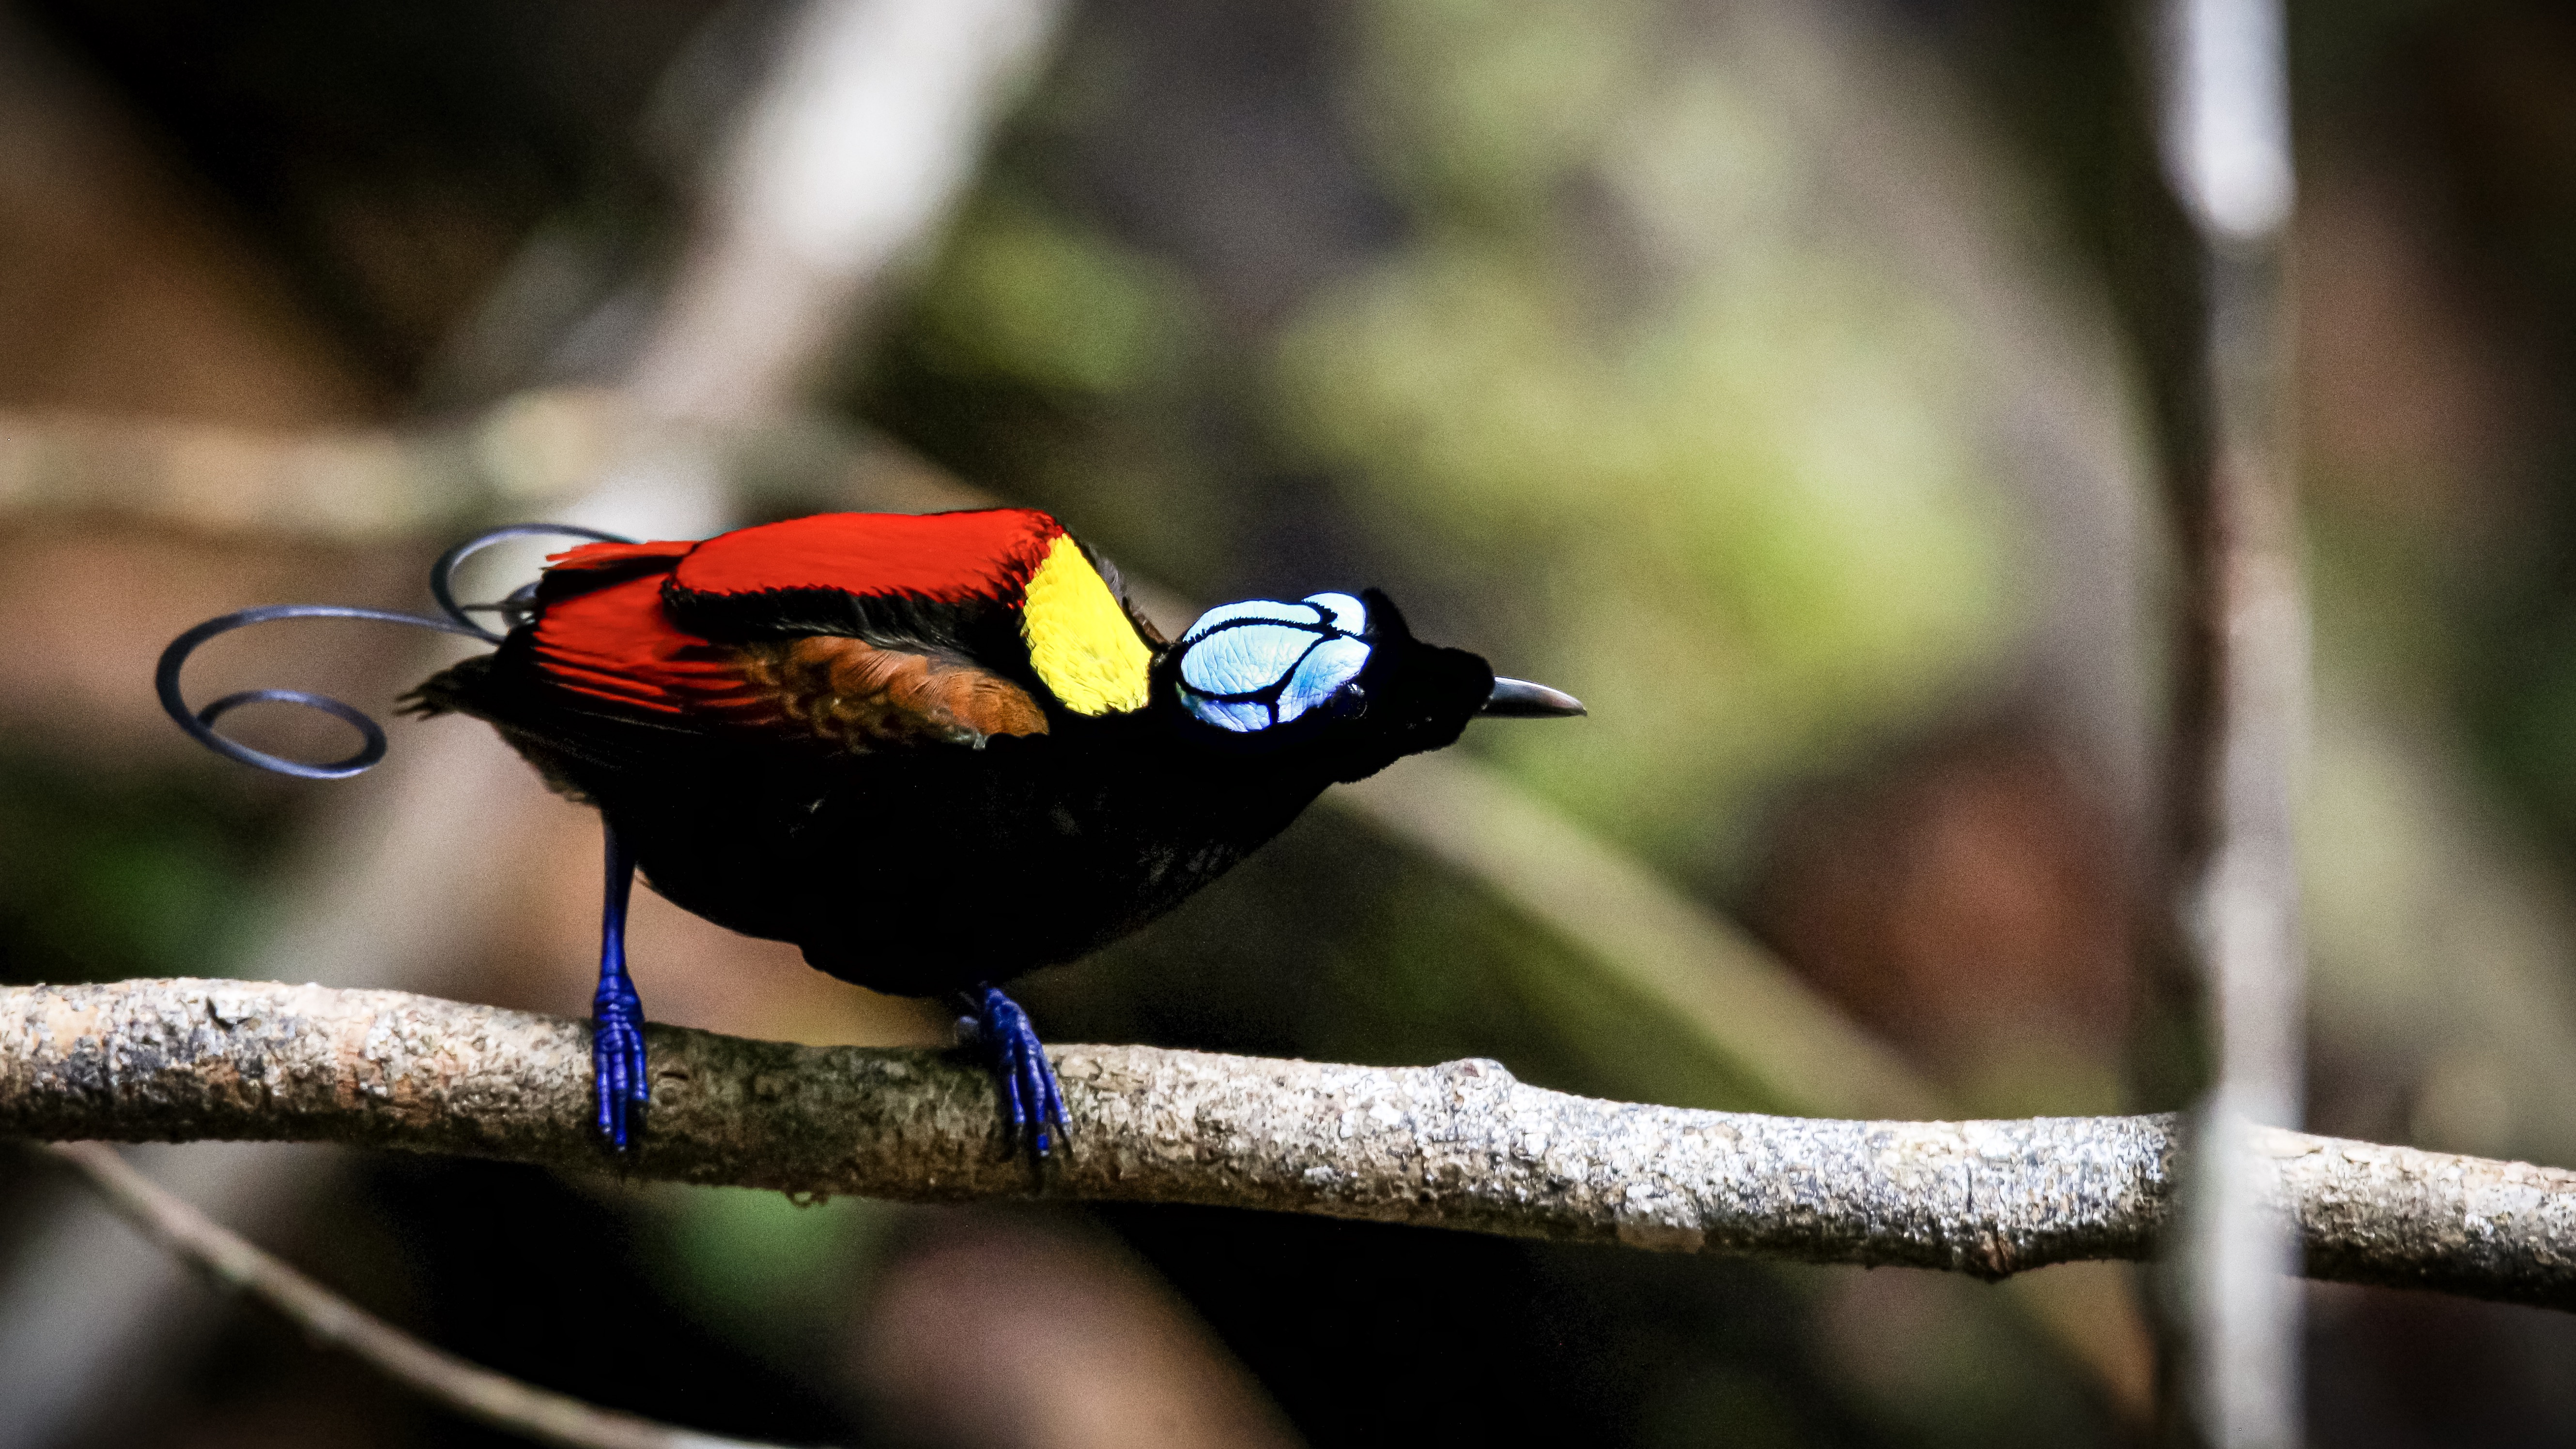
(1079, 639)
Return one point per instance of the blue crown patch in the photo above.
(1264, 662)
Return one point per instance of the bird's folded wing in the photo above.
(605, 638)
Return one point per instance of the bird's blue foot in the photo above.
(1032, 1101)
(617, 1060)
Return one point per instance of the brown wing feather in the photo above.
(852, 695)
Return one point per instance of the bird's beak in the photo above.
(1520, 699)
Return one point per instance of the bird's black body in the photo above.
(926, 870)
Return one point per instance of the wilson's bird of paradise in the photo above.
(934, 751)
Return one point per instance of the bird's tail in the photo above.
(439, 695)
(448, 691)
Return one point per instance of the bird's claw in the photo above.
(617, 1062)
(1032, 1099)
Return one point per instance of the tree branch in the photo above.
(1461, 1145)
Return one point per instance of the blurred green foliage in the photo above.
(1022, 294)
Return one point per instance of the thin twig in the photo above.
(332, 1321)
(1457, 1146)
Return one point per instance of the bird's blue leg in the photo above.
(1032, 1101)
(616, 1015)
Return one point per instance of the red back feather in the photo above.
(597, 558)
(947, 558)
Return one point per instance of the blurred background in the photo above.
(1790, 379)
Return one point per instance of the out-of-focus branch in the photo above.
(353, 486)
(1768, 1032)
(1461, 1145)
(847, 162)
(2226, 134)
(333, 1322)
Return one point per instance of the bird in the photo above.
(933, 751)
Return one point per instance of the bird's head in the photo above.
(1338, 677)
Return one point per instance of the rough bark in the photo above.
(1462, 1145)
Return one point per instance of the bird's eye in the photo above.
(1264, 662)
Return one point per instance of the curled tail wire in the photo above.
(200, 723)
